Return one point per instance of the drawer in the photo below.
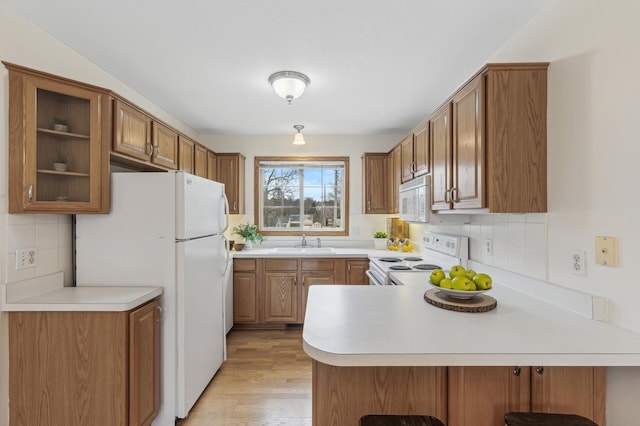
(317, 264)
(281, 264)
(244, 264)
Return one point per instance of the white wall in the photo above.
(593, 157)
(593, 150)
(24, 44)
(361, 227)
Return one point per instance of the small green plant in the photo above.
(380, 234)
(249, 232)
(61, 156)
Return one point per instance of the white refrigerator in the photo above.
(166, 229)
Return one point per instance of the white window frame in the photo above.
(311, 229)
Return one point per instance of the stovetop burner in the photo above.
(400, 267)
(390, 259)
(413, 259)
(426, 267)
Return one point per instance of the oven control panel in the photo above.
(452, 245)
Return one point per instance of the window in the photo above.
(302, 195)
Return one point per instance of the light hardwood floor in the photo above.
(266, 381)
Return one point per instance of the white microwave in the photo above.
(415, 200)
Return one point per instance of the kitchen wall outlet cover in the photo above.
(606, 251)
(488, 247)
(26, 258)
(578, 262)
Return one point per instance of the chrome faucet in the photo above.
(304, 240)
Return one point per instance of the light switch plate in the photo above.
(606, 251)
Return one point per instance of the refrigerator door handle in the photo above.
(226, 211)
(226, 254)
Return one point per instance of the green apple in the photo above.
(436, 276)
(445, 283)
(457, 270)
(461, 282)
(483, 281)
(470, 273)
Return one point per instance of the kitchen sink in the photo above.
(303, 250)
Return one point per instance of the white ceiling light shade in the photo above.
(289, 84)
(299, 137)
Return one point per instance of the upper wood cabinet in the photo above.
(375, 180)
(138, 135)
(186, 154)
(230, 171)
(132, 131)
(440, 129)
(211, 165)
(489, 142)
(59, 137)
(165, 146)
(415, 154)
(200, 161)
(394, 174)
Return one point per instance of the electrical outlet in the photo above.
(26, 258)
(488, 247)
(578, 262)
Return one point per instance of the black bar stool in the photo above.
(394, 420)
(546, 419)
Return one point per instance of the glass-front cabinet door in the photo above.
(59, 137)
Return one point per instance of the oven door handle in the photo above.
(372, 279)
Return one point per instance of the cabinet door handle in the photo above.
(540, 370)
(368, 205)
(349, 268)
(234, 205)
(157, 151)
(295, 281)
(30, 192)
(516, 371)
(454, 195)
(159, 317)
(447, 198)
(149, 149)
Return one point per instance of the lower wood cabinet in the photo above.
(480, 396)
(245, 291)
(341, 395)
(459, 396)
(356, 271)
(84, 368)
(274, 291)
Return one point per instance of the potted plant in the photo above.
(380, 240)
(60, 161)
(248, 232)
(60, 125)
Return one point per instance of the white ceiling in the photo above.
(376, 66)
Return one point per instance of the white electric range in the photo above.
(439, 251)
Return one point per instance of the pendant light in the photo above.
(289, 84)
(298, 138)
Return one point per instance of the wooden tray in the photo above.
(479, 303)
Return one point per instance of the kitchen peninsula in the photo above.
(384, 350)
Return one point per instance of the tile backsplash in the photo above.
(50, 235)
(518, 241)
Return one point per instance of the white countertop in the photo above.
(338, 252)
(395, 326)
(48, 294)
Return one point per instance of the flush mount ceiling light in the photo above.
(289, 84)
(299, 138)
